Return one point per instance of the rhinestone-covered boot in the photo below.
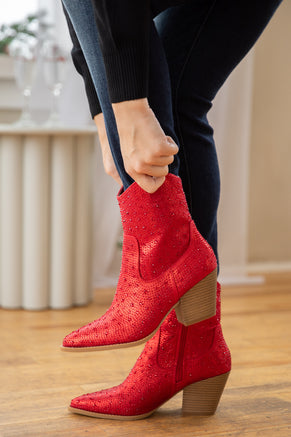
(194, 359)
(166, 264)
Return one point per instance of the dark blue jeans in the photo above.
(194, 47)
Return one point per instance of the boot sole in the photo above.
(196, 305)
(199, 399)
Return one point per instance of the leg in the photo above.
(82, 16)
(204, 40)
(160, 96)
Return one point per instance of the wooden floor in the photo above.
(37, 381)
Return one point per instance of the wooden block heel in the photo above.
(199, 303)
(202, 397)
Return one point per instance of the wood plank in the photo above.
(37, 380)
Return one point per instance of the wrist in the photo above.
(100, 124)
(128, 106)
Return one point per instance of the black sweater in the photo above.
(124, 34)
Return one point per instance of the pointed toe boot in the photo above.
(166, 264)
(194, 359)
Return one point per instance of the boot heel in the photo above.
(202, 397)
(199, 303)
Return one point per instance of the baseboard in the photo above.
(251, 273)
(269, 267)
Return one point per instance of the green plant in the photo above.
(22, 30)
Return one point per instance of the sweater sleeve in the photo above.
(124, 33)
(82, 68)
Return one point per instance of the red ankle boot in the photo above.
(166, 264)
(194, 359)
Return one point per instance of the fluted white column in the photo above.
(62, 221)
(11, 221)
(36, 222)
(46, 213)
(83, 221)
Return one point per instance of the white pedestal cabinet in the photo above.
(46, 206)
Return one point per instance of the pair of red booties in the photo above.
(167, 294)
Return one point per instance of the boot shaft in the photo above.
(145, 214)
(202, 350)
(162, 225)
(198, 350)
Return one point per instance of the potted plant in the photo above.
(29, 28)
(20, 30)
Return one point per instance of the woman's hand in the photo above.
(146, 150)
(108, 162)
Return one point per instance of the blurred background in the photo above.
(44, 96)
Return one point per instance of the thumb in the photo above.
(150, 184)
(173, 145)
